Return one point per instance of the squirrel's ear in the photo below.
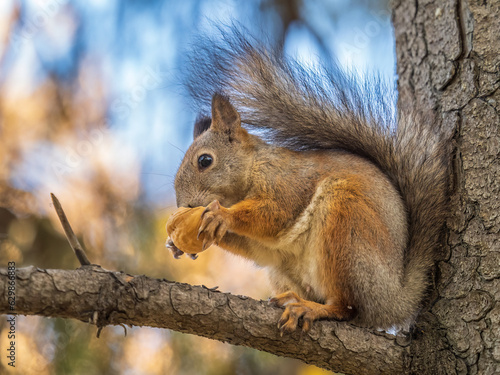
(225, 118)
(201, 125)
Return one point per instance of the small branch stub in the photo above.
(70, 235)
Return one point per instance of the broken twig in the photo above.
(70, 235)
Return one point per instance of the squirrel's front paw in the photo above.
(176, 252)
(213, 225)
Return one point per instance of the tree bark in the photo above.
(448, 56)
(94, 295)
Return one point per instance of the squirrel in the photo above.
(341, 199)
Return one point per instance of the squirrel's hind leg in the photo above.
(297, 308)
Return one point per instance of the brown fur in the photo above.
(346, 217)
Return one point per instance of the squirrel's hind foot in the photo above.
(297, 308)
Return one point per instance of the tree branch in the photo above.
(94, 295)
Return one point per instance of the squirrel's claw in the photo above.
(213, 225)
(176, 252)
(206, 245)
(297, 308)
(293, 311)
(290, 318)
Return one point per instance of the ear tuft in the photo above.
(225, 118)
(201, 125)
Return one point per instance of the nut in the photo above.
(182, 228)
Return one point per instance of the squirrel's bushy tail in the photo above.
(326, 108)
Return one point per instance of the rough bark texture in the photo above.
(102, 297)
(448, 56)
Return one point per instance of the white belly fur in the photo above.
(298, 241)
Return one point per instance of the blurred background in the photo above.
(92, 109)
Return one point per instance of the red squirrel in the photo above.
(341, 204)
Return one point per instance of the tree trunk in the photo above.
(448, 56)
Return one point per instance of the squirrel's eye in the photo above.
(204, 161)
